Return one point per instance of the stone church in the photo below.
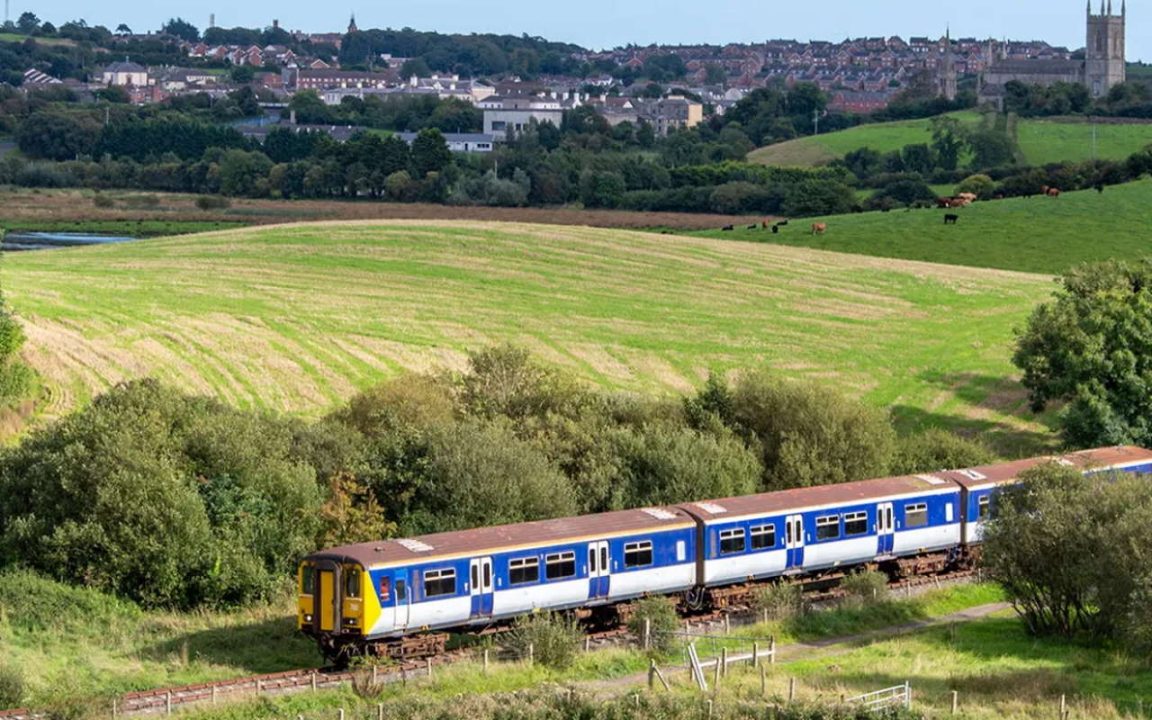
(1101, 68)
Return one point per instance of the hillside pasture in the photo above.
(297, 318)
(1041, 141)
(1039, 234)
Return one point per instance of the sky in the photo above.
(600, 24)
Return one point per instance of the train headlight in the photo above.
(307, 618)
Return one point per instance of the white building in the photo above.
(504, 115)
(125, 74)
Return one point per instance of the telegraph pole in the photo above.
(6, 3)
(815, 122)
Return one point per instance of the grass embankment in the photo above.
(1040, 235)
(73, 644)
(1040, 140)
(297, 318)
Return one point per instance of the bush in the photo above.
(213, 202)
(11, 686)
(103, 201)
(780, 601)
(554, 638)
(981, 186)
(662, 620)
(865, 587)
(936, 449)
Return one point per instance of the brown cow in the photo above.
(819, 228)
(1053, 192)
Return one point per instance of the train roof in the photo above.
(1119, 457)
(817, 496)
(506, 537)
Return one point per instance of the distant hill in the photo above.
(1041, 141)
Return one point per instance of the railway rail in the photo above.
(164, 701)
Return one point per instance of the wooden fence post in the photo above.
(709, 710)
(1063, 707)
(955, 702)
(764, 612)
(259, 686)
(724, 661)
(763, 681)
(531, 653)
(375, 674)
(213, 694)
(791, 689)
(114, 707)
(587, 644)
(313, 680)
(341, 715)
(772, 650)
(379, 711)
(647, 633)
(716, 675)
(727, 624)
(755, 654)
(907, 694)
(429, 666)
(651, 674)
(486, 658)
(168, 702)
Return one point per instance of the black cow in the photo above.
(775, 229)
(753, 226)
(951, 218)
(728, 228)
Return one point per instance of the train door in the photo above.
(326, 598)
(481, 587)
(403, 601)
(884, 529)
(599, 569)
(794, 541)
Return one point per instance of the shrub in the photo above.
(213, 202)
(865, 587)
(936, 449)
(662, 620)
(103, 201)
(554, 639)
(780, 601)
(980, 185)
(11, 686)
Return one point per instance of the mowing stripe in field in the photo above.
(295, 318)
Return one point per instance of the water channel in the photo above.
(22, 240)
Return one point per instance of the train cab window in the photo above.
(731, 541)
(558, 566)
(524, 570)
(763, 537)
(855, 524)
(828, 527)
(916, 515)
(307, 580)
(352, 583)
(984, 507)
(637, 554)
(439, 582)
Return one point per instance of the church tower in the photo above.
(946, 69)
(1104, 51)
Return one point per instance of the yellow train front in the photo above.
(335, 605)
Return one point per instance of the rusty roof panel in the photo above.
(1001, 473)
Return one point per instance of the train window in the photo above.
(385, 589)
(855, 523)
(439, 582)
(524, 570)
(637, 554)
(401, 592)
(763, 537)
(983, 507)
(828, 527)
(475, 575)
(307, 580)
(731, 541)
(916, 515)
(558, 566)
(352, 584)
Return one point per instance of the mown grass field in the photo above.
(1040, 235)
(1040, 141)
(297, 318)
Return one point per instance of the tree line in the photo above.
(179, 501)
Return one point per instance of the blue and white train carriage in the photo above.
(812, 529)
(391, 588)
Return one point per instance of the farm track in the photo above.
(164, 701)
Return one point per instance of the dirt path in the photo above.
(824, 647)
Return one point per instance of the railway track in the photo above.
(164, 701)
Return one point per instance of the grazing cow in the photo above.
(1052, 192)
(764, 224)
(728, 228)
(970, 197)
(819, 228)
(1099, 187)
(753, 226)
(782, 222)
(943, 202)
(775, 229)
(951, 219)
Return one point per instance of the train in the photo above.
(400, 597)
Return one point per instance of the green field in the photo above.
(297, 318)
(1040, 235)
(1041, 141)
